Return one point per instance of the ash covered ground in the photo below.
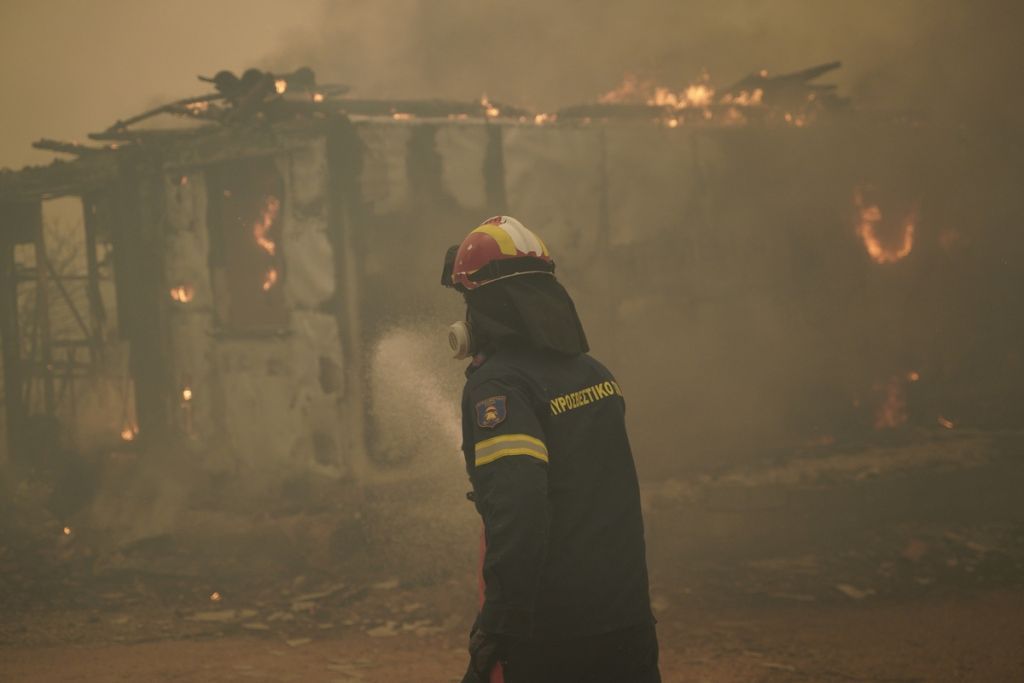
(901, 561)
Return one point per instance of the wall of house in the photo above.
(275, 401)
(720, 273)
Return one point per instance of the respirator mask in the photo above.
(460, 334)
(460, 339)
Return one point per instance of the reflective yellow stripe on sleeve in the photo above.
(489, 450)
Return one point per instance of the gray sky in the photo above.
(74, 67)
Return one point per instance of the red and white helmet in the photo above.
(501, 247)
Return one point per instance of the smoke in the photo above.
(947, 58)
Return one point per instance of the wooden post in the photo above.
(140, 295)
(43, 317)
(18, 222)
(97, 316)
(344, 164)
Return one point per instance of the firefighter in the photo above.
(564, 571)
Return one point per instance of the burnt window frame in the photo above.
(239, 266)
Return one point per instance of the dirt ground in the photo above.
(969, 638)
(902, 564)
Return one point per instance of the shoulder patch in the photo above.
(492, 411)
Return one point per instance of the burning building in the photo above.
(765, 265)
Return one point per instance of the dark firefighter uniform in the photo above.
(554, 481)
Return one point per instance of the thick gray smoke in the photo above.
(951, 59)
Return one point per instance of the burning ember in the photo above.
(186, 394)
(129, 432)
(262, 226)
(182, 293)
(270, 279)
(869, 222)
(490, 111)
(215, 597)
(67, 531)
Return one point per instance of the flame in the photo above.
(215, 596)
(268, 214)
(318, 97)
(541, 119)
(270, 279)
(186, 394)
(893, 410)
(869, 218)
(913, 376)
(490, 111)
(182, 293)
(401, 116)
(67, 531)
(799, 120)
(631, 89)
(129, 432)
(699, 95)
(183, 180)
(280, 85)
(197, 107)
(948, 424)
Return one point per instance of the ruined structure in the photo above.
(765, 267)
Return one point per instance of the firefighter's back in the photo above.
(595, 576)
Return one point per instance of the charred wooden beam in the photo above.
(173, 107)
(59, 178)
(75, 148)
(616, 110)
(424, 108)
(159, 135)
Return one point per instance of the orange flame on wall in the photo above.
(260, 229)
(182, 293)
(869, 219)
(129, 432)
(270, 279)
